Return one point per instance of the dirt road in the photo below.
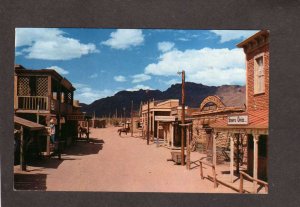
(113, 163)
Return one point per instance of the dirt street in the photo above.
(113, 163)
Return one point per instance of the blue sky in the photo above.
(101, 62)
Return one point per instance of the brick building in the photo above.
(253, 125)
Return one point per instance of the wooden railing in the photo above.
(32, 102)
(243, 174)
(213, 172)
(64, 107)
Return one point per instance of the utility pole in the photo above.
(132, 118)
(148, 123)
(182, 116)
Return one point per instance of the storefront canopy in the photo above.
(32, 126)
(258, 119)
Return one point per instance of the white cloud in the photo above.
(138, 87)
(228, 35)
(120, 78)
(60, 70)
(140, 78)
(87, 95)
(207, 66)
(165, 46)
(125, 38)
(95, 75)
(50, 44)
(183, 39)
(172, 81)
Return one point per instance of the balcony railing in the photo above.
(43, 103)
(32, 102)
(64, 107)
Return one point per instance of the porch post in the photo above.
(231, 156)
(165, 133)
(49, 93)
(22, 151)
(157, 144)
(214, 148)
(255, 161)
(172, 135)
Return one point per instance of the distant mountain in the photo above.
(231, 95)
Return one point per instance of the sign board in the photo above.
(164, 118)
(238, 120)
(75, 117)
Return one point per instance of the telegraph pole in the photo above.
(182, 116)
(148, 123)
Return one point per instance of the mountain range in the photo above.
(231, 95)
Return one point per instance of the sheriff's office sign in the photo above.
(164, 118)
(238, 120)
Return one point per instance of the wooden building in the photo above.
(41, 95)
(164, 120)
(26, 140)
(253, 125)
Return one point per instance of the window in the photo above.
(259, 75)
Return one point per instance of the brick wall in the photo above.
(258, 101)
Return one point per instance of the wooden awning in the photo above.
(258, 119)
(32, 126)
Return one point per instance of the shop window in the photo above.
(259, 75)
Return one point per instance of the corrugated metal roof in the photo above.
(28, 124)
(258, 119)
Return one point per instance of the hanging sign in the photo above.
(238, 120)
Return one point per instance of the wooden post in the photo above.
(188, 150)
(38, 114)
(214, 149)
(182, 116)
(201, 170)
(241, 183)
(22, 151)
(231, 157)
(16, 98)
(48, 145)
(49, 91)
(255, 161)
(132, 118)
(238, 154)
(88, 131)
(214, 176)
(148, 123)
(157, 138)
(172, 135)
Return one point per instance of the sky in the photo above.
(101, 62)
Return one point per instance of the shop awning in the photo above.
(258, 119)
(32, 126)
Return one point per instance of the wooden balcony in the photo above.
(43, 104)
(34, 103)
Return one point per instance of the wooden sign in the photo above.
(238, 120)
(164, 118)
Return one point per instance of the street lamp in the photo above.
(182, 115)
